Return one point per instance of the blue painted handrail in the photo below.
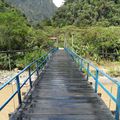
(39, 63)
(81, 61)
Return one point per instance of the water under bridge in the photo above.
(62, 91)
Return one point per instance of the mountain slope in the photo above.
(88, 12)
(35, 10)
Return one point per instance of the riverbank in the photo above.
(7, 75)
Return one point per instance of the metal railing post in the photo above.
(30, 78)
(96, 82)
(18, 90)
(81, 64)
(88, 67)
(77, 60)
(37, 69)
(49, 56)
(117, 104)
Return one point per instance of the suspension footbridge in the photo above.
(62, 91)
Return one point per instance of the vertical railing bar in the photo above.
(30, 81)
(49, 56)
(18, 90)
(81, 64)
(37, 68)
(88, 67)
(96, 81)
(78, 61)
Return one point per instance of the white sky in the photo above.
(58, 3)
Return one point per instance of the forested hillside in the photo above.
(34, 10)
(93, 25)
(29, 29)
(88, 13)
(17, 35)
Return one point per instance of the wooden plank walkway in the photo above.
(63, 94)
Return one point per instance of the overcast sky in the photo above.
(58, 3)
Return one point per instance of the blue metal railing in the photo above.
(39, 64)
(82, 62)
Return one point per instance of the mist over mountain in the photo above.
(34, 10)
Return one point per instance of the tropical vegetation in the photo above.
(18, 39)
(90, 27)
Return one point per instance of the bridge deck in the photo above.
(63, 94)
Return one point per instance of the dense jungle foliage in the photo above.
(95, 43)
(90, 27)
(94, 26)
(88, 12)
(17, 34)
